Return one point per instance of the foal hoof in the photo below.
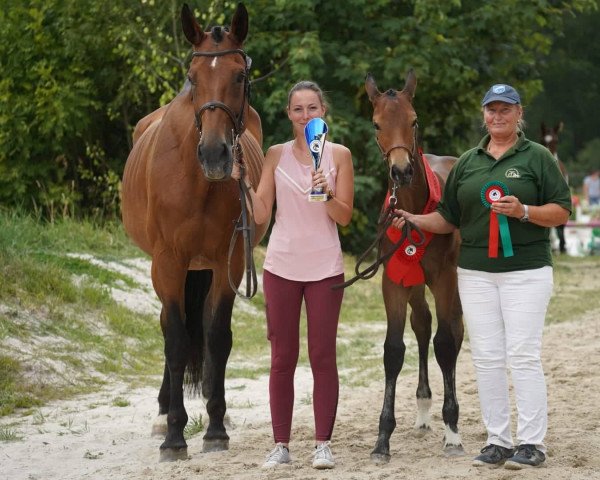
(421, 431)
(215, 445)
(380, 458)
(173, 454)
(451, 451)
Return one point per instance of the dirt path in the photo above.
(92, 438)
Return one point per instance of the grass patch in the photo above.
(194, 426)
(8, 434)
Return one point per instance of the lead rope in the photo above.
(384, 222)
(245, 225)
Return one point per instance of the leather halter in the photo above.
(244, 224)
(412, 152)
(237, 120)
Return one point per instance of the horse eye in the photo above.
(376, 125)
(415, 123)
(190, 79)
(241, 77)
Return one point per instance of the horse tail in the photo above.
(197, 284)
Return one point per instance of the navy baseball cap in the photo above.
(501, 93)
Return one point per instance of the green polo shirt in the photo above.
(531, 174)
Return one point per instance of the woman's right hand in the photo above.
(401, 217)
(235, 170)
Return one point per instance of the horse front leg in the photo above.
(217, 347)
(393, 359)
(168, 276)
(447, 342)
(420, 320)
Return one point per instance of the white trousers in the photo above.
(504, 314)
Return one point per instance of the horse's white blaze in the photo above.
(213, 64)
(451, 438)
(423, 416)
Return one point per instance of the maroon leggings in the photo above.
(283, 299)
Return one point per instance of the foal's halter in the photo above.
(412, 152)
(236, 119)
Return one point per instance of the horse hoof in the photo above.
(451, 451)
(173, 454)
(421, 431)
(216, 445)
(380, 458)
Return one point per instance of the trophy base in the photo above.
(317, 197)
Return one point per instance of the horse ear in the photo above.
(371, 87)
(559, 127)
(543, 129)
(192, 31)
(239, 24)
(410, 85)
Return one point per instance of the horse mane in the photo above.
(391, 92)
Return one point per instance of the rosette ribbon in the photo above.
(490, 193)
(404, 267)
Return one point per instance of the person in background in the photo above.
(504, 290)
(303, 261)
(591, 188)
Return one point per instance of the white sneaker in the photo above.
(323, 457)
(279, 456)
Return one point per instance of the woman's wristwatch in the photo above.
(525, 217)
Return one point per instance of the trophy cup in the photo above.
(315, 132)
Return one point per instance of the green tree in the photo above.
(78, 74)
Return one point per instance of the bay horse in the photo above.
(395, 122)
(549, 138)
(180, 206)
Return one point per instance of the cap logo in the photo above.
(497, 89)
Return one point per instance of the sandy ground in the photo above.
(92, 438)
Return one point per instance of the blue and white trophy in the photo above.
(315, 132)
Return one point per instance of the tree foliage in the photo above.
(78, 74)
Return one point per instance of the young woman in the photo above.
(303, 261)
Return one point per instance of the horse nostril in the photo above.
(395, 173)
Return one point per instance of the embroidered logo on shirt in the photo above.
(512, 173)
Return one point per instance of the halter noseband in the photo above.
(412, 152)
(237, 120)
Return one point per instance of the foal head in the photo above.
(395, 122)
(218, 89)
(550, 136)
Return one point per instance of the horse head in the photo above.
(395, 122)
(549, 137)
(218, 79)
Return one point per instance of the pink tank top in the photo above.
(304, 244)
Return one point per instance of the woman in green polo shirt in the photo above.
(504, 195)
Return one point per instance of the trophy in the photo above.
(315, 132)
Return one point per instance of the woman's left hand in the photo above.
(509, 206)
(319, 180)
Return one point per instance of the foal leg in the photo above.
(447, 342)
(217, 346)
(420, 320)
(395, 299)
